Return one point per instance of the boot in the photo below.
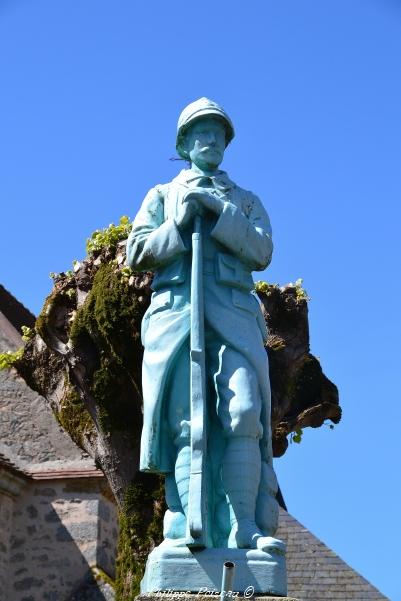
(174, 522)
(241, 470)
(177, 488)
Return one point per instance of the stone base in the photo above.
(173, 572)
(199, 597)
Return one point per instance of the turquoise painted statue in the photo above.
(206, 388)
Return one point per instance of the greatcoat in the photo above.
(236, 242)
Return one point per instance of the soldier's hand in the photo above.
(186, 211)
(207, 200)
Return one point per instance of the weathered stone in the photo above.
(92, 507)
(17, 542)
(62, 534)
(27, 583)
(27, 426)
(77, 486)
(32, 511)
(44, 492)
(52, 516)
(79, 532)
(93, 589)
(60, 563)
(104, 512)
(102, 557)
(52, 596)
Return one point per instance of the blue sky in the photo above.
(90, 93)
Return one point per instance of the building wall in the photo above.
(10, 339)
(51, 531)
(6, 515)
(29, 431)
(62, 528)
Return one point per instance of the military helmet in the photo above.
(196, 110)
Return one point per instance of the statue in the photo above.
(206, 385)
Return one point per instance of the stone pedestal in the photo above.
(199, 597)
(177, 572)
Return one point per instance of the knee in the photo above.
(245, 423)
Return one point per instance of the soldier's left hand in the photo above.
(208, 200)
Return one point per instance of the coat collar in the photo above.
(221, 181)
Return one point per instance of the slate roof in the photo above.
(16, 313)
(315, 572)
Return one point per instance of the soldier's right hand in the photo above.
(186, 211)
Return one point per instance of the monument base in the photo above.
(196, 597)
(179, 571)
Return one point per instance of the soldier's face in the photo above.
(206, 142)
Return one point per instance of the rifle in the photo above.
(197, 499)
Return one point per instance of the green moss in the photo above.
(43, 317)
(98, 574)
(73, 415)
(108, 384)
(110, 317)
(109, 307)
(141, 528)
(276, 344)
(55, 299)
(129, 566)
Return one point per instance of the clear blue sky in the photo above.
(89, 97)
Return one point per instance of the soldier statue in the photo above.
(221, 484)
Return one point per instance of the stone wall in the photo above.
(53, 528)
(28, 429)
(10, 339)
(12, 484)
(6, 513)
(62, 528)
(27, 426)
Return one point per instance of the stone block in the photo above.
(182, 596)
(182, 569)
